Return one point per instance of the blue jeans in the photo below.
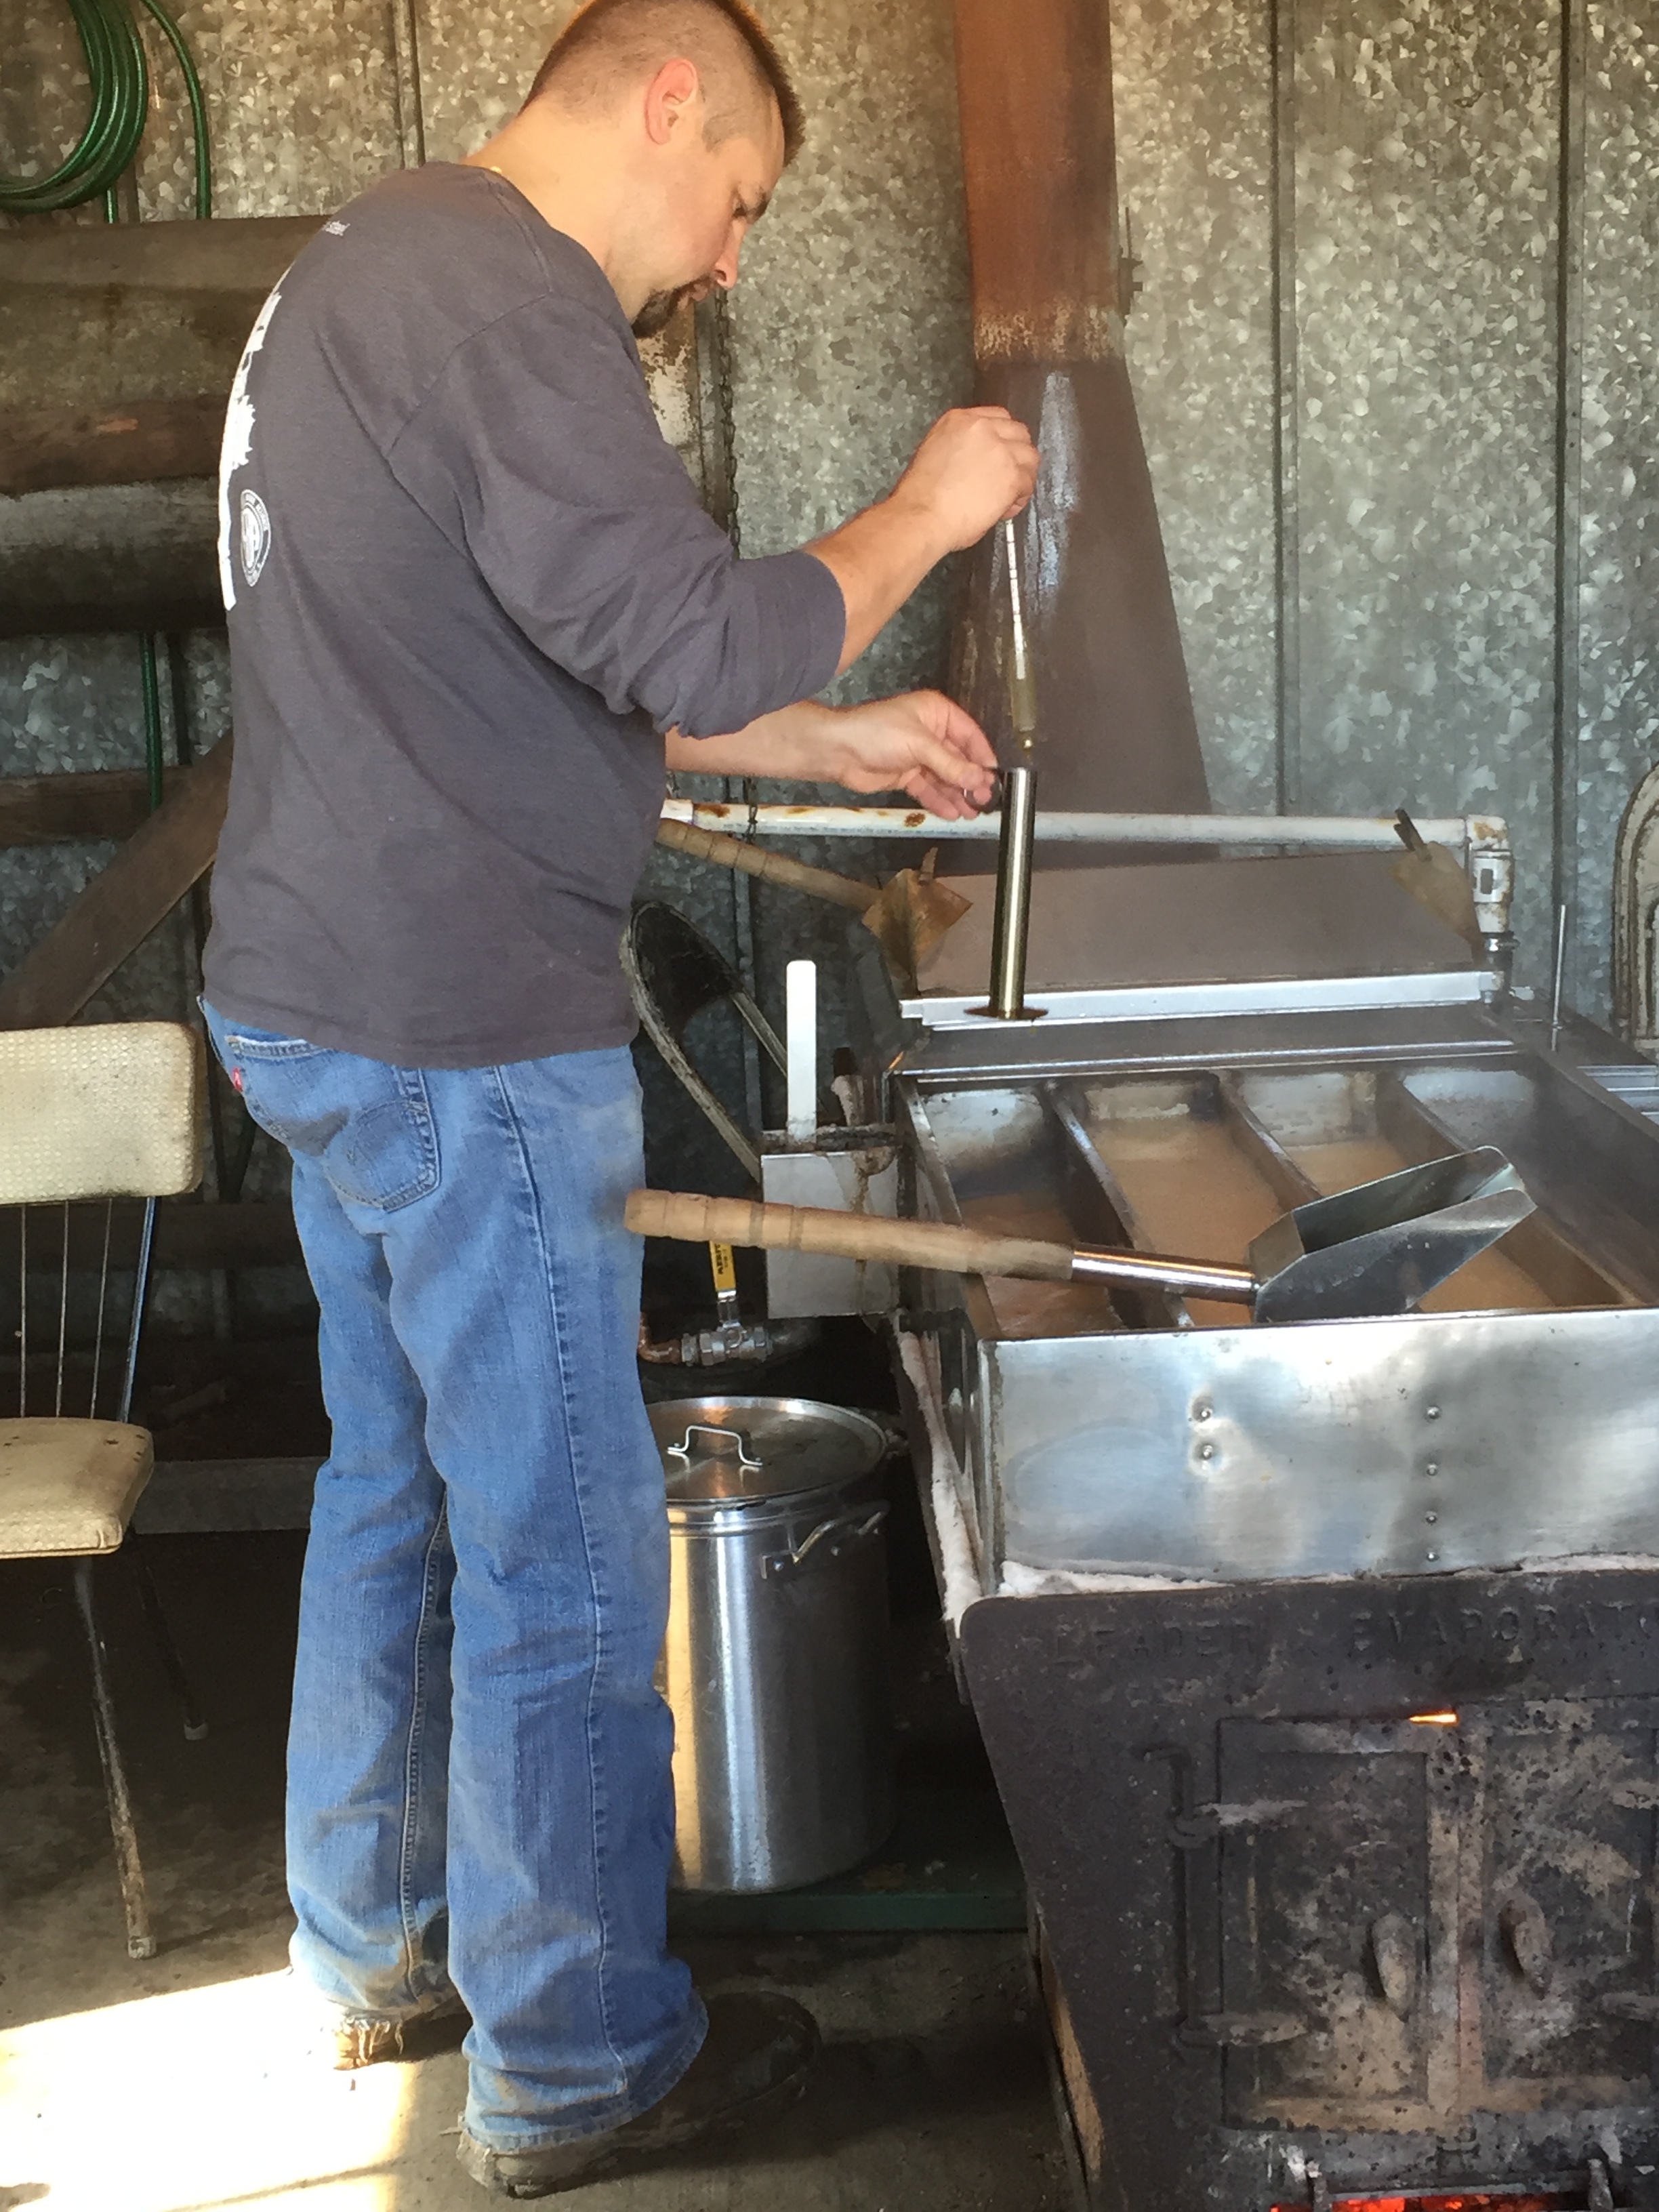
(479, 1790)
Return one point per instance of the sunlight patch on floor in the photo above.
(194, 2101)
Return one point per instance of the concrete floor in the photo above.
(194, 2081)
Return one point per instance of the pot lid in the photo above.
(729, 1450)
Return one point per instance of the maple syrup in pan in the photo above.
(1029, 1309)
(1490, 1283)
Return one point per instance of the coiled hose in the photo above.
(119, 78)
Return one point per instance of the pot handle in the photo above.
(834, 1536)
(721, 1443)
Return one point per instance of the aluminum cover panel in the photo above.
(1206, 921)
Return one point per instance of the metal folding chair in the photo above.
(673, 972)
(110, 1112)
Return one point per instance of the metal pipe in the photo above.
(1012, 921)
(1365, 833)
(1484, 838)
(755, 1341)
(1560, 971)
(1190, 1278)
(140, 1293)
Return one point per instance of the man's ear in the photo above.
(669, 98)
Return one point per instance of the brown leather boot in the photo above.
(420, 2035)
(753, 2061)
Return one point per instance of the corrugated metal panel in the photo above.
(301, 106)
(1433, 345)
(850, 326)
(1421, 236)
(1424, 219)
(1618, 734)
(1192, 98)
(476, 65)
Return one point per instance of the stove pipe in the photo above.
(1114, 710)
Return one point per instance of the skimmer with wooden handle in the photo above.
(1378, 1248)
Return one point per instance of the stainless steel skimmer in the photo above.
(1378, 1248)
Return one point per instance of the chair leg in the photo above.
(195, 1727)
(141, 1944)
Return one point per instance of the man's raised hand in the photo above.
(975, 467)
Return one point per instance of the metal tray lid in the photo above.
(733, 1450)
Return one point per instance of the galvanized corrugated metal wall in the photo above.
(1392, 351)
(1614, 479)
(1394, 363)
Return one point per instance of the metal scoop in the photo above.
(1378, 1248)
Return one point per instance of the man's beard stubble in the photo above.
(660, 309)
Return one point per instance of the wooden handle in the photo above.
(771, 867)
(696, 1220)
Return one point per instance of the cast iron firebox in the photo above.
(1347, 1889)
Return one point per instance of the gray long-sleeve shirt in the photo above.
(469, 585)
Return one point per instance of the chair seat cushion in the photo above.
(69, 1486)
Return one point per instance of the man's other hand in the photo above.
(975, 467)
(920, 743)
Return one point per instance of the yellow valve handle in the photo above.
(724, 1268)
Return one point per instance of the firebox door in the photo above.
(1424, 1919)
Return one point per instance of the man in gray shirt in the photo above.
(471, 598)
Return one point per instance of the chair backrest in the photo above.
(110, 1111)
(673, 972)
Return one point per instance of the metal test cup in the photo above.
(1011, 924)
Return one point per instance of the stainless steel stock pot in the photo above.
(775, 1660)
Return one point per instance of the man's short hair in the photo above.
(612, 41)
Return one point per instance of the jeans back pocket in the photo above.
(368, 1125)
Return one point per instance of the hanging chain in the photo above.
(723, 351)
(747, 788)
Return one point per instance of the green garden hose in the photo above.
(149, 681)
(119, 78)
(175, 39)
(109, 146)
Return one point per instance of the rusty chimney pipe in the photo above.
(1114, 709)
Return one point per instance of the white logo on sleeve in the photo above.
(254, 532)
(234, 453)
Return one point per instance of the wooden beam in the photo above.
(110, 557)
(119, 909)
(131, 442)
(242, 254)
(64, 810)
